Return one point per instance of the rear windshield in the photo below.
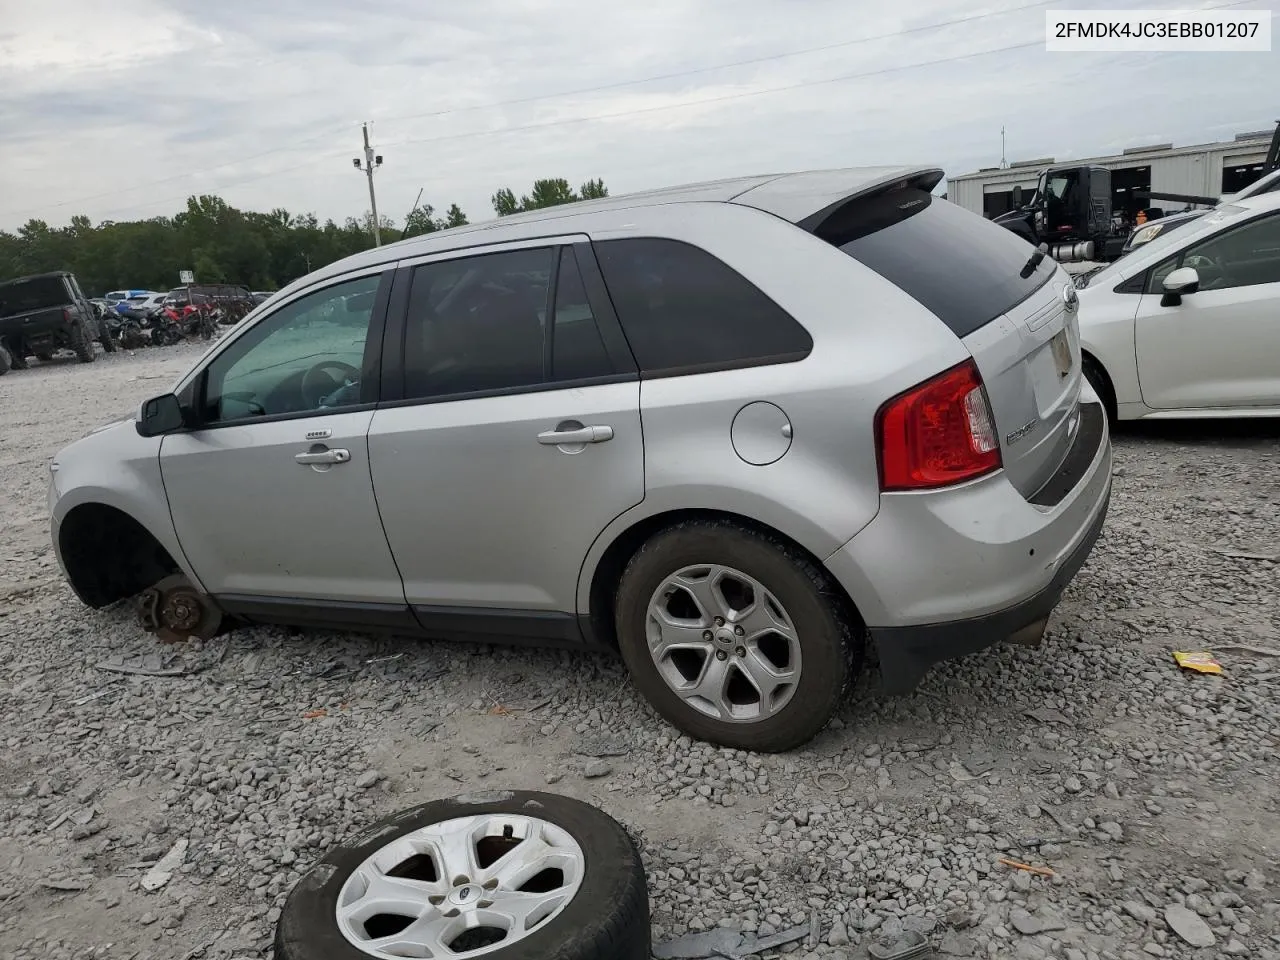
(964, 269)
(34, 294)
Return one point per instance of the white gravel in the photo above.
(1143, 788)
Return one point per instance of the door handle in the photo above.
(336, 455)
(594, 434)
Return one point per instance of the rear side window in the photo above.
(685, 311)
(966, 270)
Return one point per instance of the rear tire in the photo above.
(108, 344)
(17, 360)
(1101, 384)
(822, 653)
(81, 343)
(6, 363)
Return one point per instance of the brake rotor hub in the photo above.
(174, 610)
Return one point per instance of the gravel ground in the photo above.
(1146, 790)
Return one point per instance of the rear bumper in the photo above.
(943, 574)
(907, 653)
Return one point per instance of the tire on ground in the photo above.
(1101, 385)
(6, 362)
(607, 919)
(81, 342)
(829, 632)
(104, 337)
(17, 361)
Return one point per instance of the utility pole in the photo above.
(1004, 164)
(371, 162)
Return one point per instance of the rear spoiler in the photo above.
(809, 199)
(924, 181)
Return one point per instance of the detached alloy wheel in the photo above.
(735, 637)
(503, 875)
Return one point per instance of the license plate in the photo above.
(1061, 348)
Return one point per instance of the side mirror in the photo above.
(1017, 196)
(159, 415)
(1178, 284)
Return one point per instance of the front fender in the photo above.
(115, 468)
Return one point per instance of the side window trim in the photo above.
(549, 312)
(195, 389)
(610, 327)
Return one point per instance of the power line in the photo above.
(697, 71)
(636, 111)
(190, 173)
(720, 98)
(549, 96)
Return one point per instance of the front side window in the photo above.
(1242, 257)
(684, 310)
(305, 357)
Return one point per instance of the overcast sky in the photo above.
(120, 110)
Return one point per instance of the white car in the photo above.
(1188, 325)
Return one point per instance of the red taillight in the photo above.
(938, 433)
(66, 314)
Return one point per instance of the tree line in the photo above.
(222, 244)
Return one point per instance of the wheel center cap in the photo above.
(725, 637)
(466, 895)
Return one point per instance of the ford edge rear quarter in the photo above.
(985, 553)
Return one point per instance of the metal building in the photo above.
(1204, 170)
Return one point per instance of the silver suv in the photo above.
(738, 431)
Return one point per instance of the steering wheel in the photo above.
(314, 390)
(1212, 273)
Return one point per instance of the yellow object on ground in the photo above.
(1199, 661)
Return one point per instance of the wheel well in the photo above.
(608, 573)
(1108, 390)
(108, 555)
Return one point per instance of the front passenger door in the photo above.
(1219, 347)
(270, 490)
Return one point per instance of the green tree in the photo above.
(421, 220)
(548, 193)
(593, 190)
(505, 203)
(454, 217)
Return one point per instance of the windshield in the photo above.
(35, 294)
(964, 269)
(1056, 187)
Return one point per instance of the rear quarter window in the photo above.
(683, 310)
(964, 269)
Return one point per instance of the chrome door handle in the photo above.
(557, 438)
(336, 455)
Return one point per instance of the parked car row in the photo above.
(48, 312)
(42, 314)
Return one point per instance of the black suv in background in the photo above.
(47, 312)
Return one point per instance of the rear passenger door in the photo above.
(508, 437)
